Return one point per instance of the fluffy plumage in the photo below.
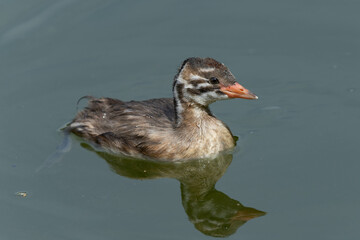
(169, 129)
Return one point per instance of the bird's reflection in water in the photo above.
(211, 211)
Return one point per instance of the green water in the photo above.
(297, 158)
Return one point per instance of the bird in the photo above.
(169, 129)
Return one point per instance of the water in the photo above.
(298, 144)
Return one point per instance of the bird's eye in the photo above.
(214, 80)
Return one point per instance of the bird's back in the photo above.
(126, 126)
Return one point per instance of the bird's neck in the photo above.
(196, 130)
(187, 112)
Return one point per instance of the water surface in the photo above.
(298, 144)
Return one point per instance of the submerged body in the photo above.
(168, 129)
(147, 128)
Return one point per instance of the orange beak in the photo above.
(237, 91)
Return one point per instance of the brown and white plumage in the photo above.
(169, 129)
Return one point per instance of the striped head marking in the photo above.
(204, 81)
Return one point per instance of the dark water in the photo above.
(298, 157)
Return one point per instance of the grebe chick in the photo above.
(171, 129)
